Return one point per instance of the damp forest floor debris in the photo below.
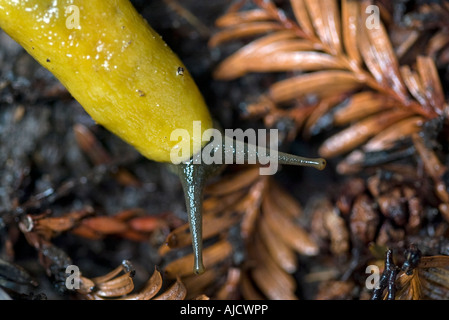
(373, 104)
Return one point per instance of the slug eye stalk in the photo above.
(194, 174)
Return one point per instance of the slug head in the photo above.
(194, 174)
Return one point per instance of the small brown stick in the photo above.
(202, 29)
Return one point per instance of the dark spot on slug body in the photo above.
(180, 71)
(48, 60)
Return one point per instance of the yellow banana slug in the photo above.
(114, 64)
(124, 75)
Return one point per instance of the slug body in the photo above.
(114, 64)
(125, 76)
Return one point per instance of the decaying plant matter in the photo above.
(375, 102)
(113, 286)
(390, 117)
(418, 278)
(345, 74)
(268, 222)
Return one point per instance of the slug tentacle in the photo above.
(242, 152)
(193, 179)
(290, 159)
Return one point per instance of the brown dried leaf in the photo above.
(263, 49)
(350, 12)
(196, 284)
(109, 287)
(312, 125)
(302, 16)
(388, 234)
(234, 183)
(414, 85)
(331, 15)
(335, 290)
(322, 18)
(444, 210)
(409, 286)
(338, 233)
(249, 291)
(358, 133)
(401, 130)
(432, 165)
(392, 206)
(326, 21)
(379, 56)
(349, 190)
(415, 210)
(243, 30)
(279, 250)
(201, 297)
(435, 283)
(352, 163)
(212, 255)
(269, 277)
(287, 230)
(364, 219)
(285, 201)
(86, 232)
(134, 235)
(328, 224)
(268, 284)
(150, 289)
(126, 178)
(434, 262)
(229, 290)
(236, 18)
(117, 287)
(410, 39)
(214, 205)
(177, 291)
(56, 224)
(109, 276)
(321, 83)
(212, 226)
(431, 83)
(318, 208)
(145, 224)
(362, 105)
(251, 207)
(438, 41)
(258, 252)
(86, 286)
(129, 214)
(277, 61)
(105, 225)
(61, 224)
(90, 145)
